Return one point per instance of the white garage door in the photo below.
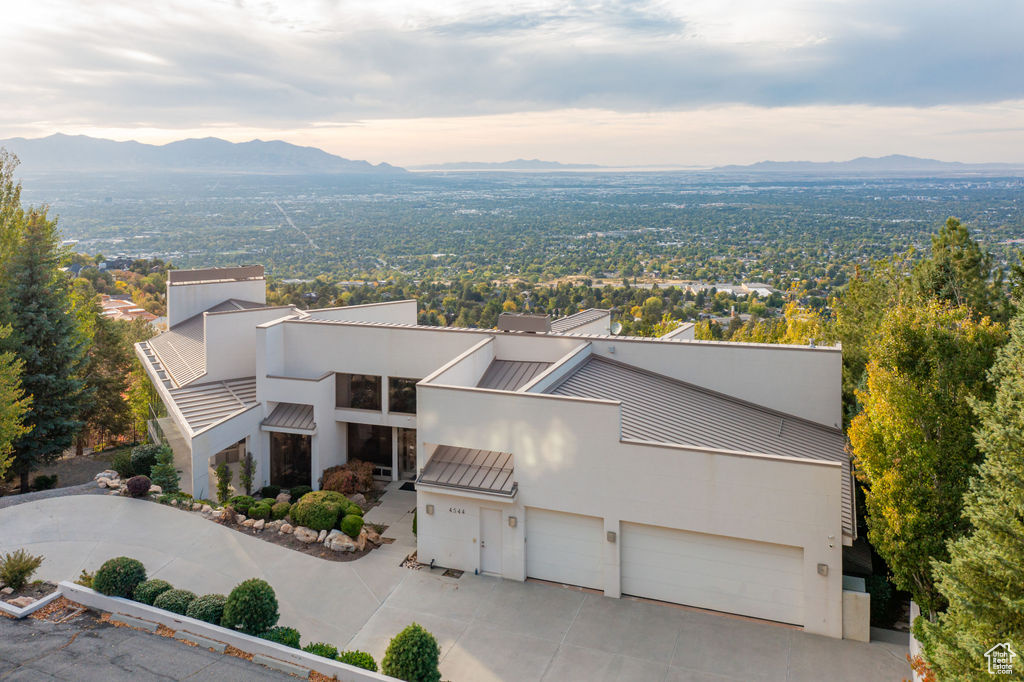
(565, 548)
(714, 572)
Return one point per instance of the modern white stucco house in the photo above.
(702, 473)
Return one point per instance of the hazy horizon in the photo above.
(612, 83)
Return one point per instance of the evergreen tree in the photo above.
(913, 443)
(983, 580)
(13, 403)
(45, 338)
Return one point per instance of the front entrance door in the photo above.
(407, 454)
(290, 460)
(490, 541)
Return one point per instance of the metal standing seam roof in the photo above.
(290, 416)
(206, 404)
(665, 410)
(482, 470)
(510, 375)
(566, 324)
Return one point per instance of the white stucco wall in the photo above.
(186, 300)
(232, 341)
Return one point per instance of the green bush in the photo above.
(85, 579)
(144, 457)
(148, 590)
(246, 470)
(351, 525)
(359, 659)
(298, 491)
(44, 482)
(163, 472)
(279, 510)
(208, 608)
(138, 486)
(353, 509)
(321, 649)
(118, 577)
(283, 635)
(269, 492)
(242, 503)
(175, 601)
(260, 512)
(17, 567)
(880, 589)
(414, 521)
(251, 607)
(224, 475)
(122, 464)
(319, 510)
(412, 656)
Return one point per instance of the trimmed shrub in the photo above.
(351, 525)
(175, 601)
(242, 503)
(118, 577)
(339, 479)
(319, 510)
(209, 608)
(163, 472)
(260, 511)
(138, 486)
(359, 659)
(283, 635)
(144, 457)
(298, 491)
(321, 649)
(17, 567)
(280, 510)
(122, 464)
(364, 474)
(269, 492)
(412, 656)
(148, 590)
(353, 508)
(251, 607)
(44, 482)
(414, 521)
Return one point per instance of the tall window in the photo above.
(402, 395)
(358, 391)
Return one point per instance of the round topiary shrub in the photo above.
(321, 649)
(260, 512)
(351, 525)
(298, 491)
(251, 607)
(119, 577)
(412, 655)
(144, 457)
(242, 503)
(175, 601)
(280, 510)
(283, 635)
(269, 492)
(319, 510)
(208, 608)
(138, 486)
(148, 590)
(354, 509)
(359, 659)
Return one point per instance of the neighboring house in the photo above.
(703, 473)
(123, 308)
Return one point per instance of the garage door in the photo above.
(565, 548)
(713, 572)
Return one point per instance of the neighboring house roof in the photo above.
(182, 350)
(203, 405)
(291, 416)
(566, 324)
(661, 409)
(510, 375)
(481, 470)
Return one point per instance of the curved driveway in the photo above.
(488, 629)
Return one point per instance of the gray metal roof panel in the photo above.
(661, 409)
(482, 470)
(510, 375)
(206, 404)
(570, 322)
(291, 416)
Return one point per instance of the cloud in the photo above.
(191, 63)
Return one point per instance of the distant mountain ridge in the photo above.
(79, 153)
(515, 164)
(893, 163)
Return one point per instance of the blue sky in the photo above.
(703, 82)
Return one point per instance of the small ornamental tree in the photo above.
(246, 472)
(223, 483)
(163, 472)
(413, 656)
(251, 607)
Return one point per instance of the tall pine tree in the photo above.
(983, 580)
(44, 337)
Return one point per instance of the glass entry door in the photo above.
(290, 459)
(407, 453)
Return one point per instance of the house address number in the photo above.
(456, 510)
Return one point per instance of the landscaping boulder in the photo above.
(372, 535)
(361, 540)
(259, 525)
(239, 518)
(339, 542)
(286, 529)
(307, 535)
(247, 523)
(156, 490)
(7, 590)
(359, 499)
(196, 506)
(207, 509)
(283, 497)
(322, 536)
(21, 602)
(106, 473)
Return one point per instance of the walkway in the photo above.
(488, 629)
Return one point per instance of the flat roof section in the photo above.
(510, 375)
(290, 417)
(467, 469)
(565, 325)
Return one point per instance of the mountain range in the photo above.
(514, 165)
(894, 163)
(80, 153)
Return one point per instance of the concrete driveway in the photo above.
(488, 629)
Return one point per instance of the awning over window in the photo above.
(466, 469)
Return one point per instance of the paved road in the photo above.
(488, 629)
(87, 650)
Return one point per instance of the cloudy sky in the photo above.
(619, 83)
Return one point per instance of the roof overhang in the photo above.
(468, 470)
(290, 418)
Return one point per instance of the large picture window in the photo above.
(357, 391)
(402, 395)
(371, 444)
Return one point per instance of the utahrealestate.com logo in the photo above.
(1000, 659)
